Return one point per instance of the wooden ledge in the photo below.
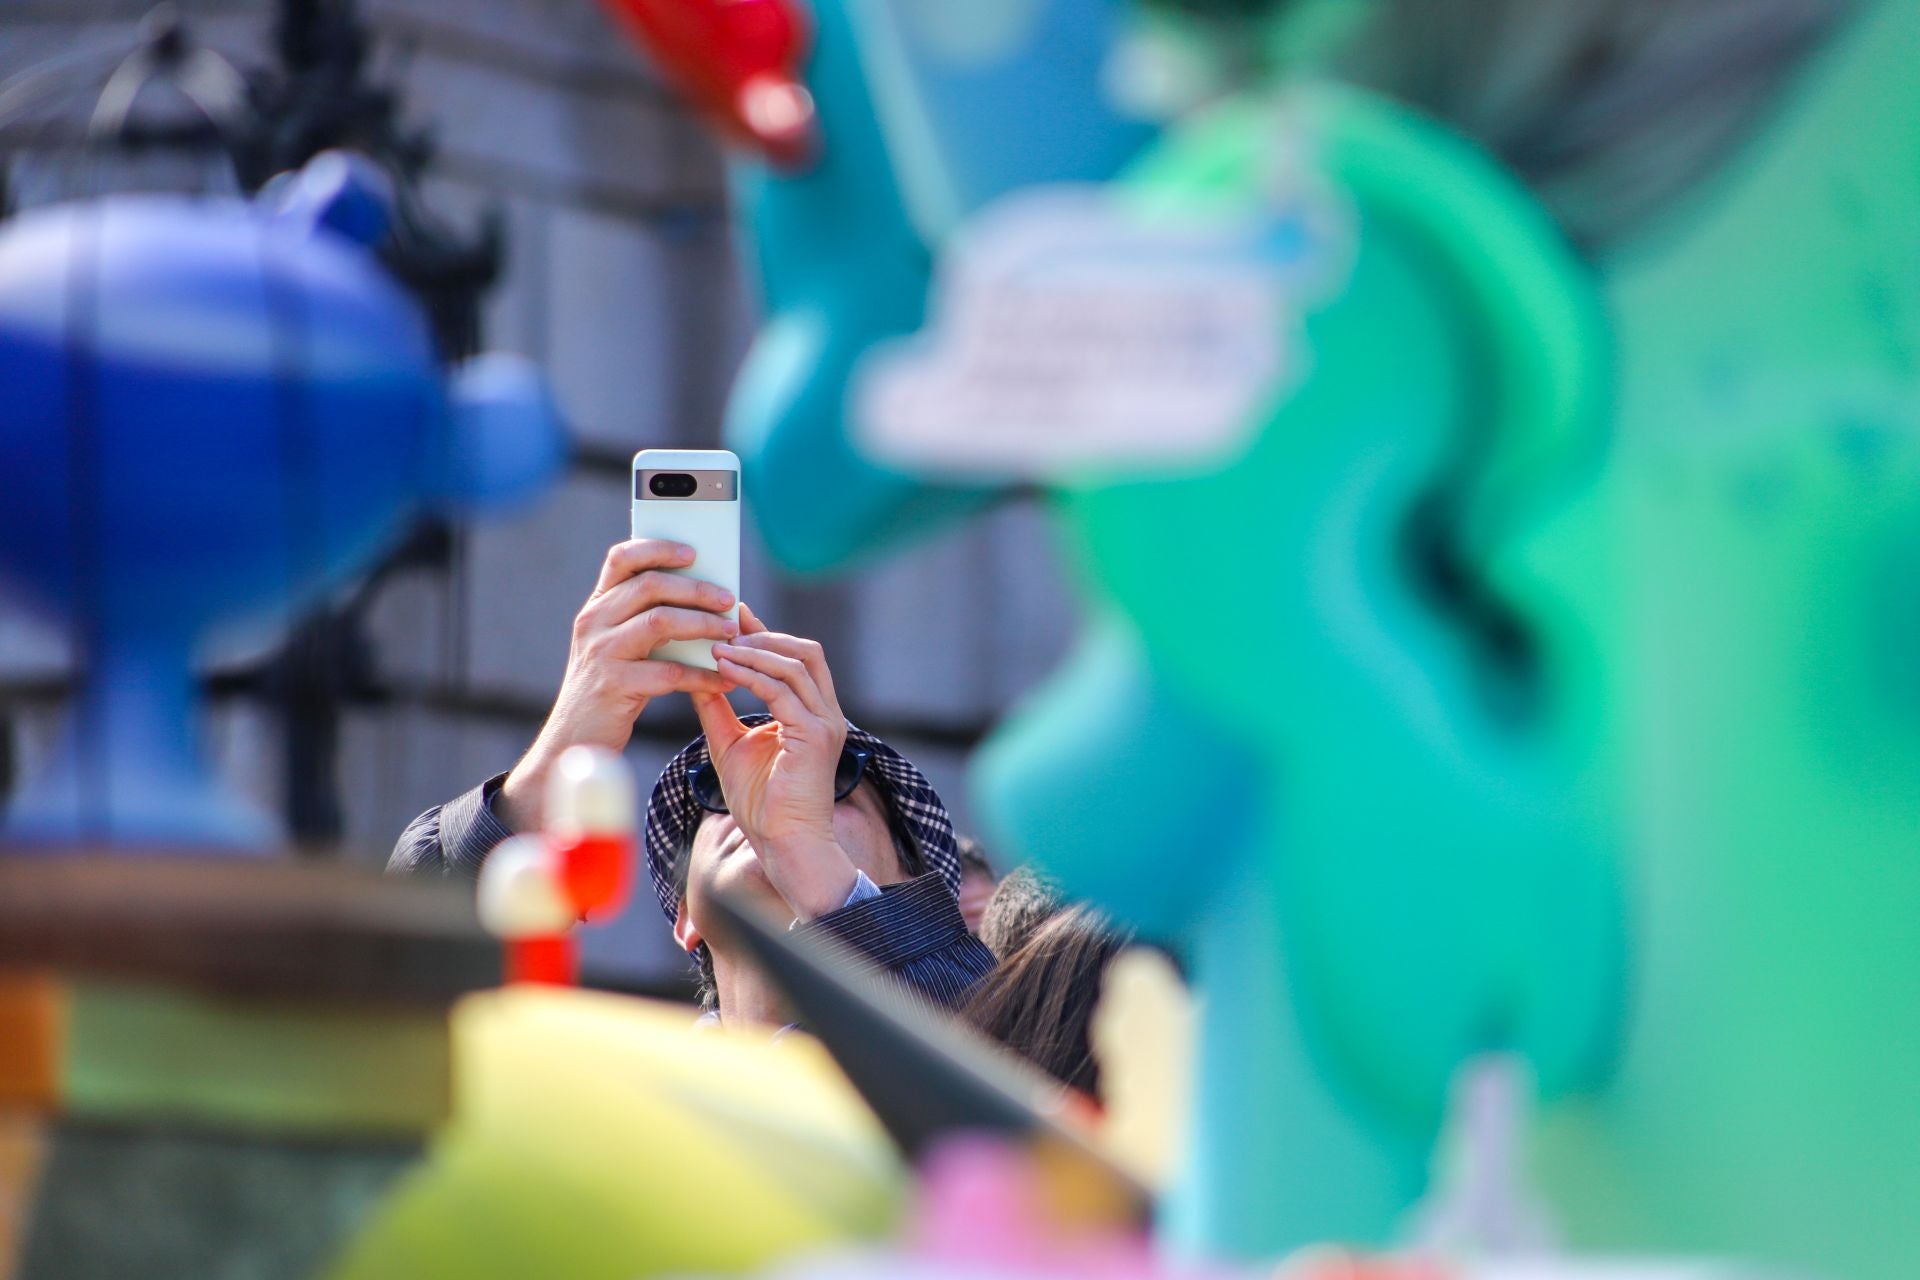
(245, 926)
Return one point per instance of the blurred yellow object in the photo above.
(603, 1136)
(1143, 1034)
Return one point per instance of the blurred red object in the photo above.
(551, 959)
(596, 871)
(740, 61)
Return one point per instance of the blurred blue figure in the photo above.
(925, 111)
(217, 410)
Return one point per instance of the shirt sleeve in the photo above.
(914, 931)
(863, 888)
(452, 838)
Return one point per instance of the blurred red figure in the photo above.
(740, 61)
(551, 959)
(590, 824)
(535, 889)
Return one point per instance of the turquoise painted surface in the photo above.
(1541, 678)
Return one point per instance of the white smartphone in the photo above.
(692, 496)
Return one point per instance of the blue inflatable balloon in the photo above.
(218, 410)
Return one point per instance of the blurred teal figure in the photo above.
(924, 111)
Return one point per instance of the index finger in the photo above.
(637, 555)
(718, 722)
(808, 653)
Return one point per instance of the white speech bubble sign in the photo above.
(1067, 333)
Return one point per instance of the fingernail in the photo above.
(683, 552)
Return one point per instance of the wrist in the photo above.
(521, 800)
(812, 872)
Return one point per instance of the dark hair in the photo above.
(706, 993)
(1040, 1001)
(1020, 904)
(912, 861)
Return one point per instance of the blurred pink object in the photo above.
(982, 1209)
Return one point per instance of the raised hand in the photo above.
(778, 777)
(611, 674)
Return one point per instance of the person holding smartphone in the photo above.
(795, 810)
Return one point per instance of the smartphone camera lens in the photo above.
(672, 485)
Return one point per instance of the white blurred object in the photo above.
(1144, 1032)
(1481, 1205)
(519, 894)
(590, 792)
(1066, 333)
(1158, 71)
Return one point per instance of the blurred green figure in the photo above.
(1538, 678)
(1764, 478)
(1705, 661)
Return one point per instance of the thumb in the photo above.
(717, 721)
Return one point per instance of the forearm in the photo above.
(591, 718)
(520, 802)
(454, 838)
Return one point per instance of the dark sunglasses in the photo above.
(705, 779)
